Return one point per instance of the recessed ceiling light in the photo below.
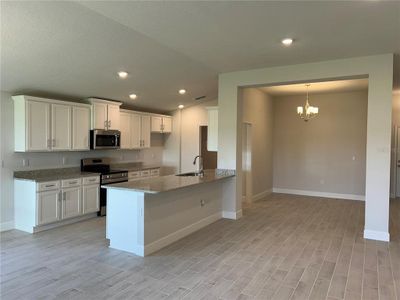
(181, 106)
(287, 41)
(133, 96)
(122, 74)
(182, 91)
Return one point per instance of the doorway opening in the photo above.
(209, 157)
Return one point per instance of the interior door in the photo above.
(99, 116)
(38, 126)
(146, 131)
(113, 117)
(136, 130)
(125, 128)
(80, 128)
(156, 124)
(60, 127)
(71, 202)
(48, 207)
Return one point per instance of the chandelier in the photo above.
(307, 112)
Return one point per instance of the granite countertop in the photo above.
(52, 174)
(171, 182)
(133, 166)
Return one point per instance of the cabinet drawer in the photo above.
(91, 180)
(133, 174)
(145, 173)
(155, 172)
(71, 182)
(48, 186)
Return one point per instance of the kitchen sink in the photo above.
(190, 174)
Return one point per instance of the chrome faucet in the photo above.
(200, 171)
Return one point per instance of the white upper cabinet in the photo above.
(80, 128)
(136, 135)
(212, 129)
(35, 135)
(125, 128)
(145, 131)
(161, 124)
(105, 114)
(48, 125)
(61, 127)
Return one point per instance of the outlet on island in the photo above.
(202, 203)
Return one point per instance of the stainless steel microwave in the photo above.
(105, 139)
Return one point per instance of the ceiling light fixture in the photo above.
(182, 91)
(133, 96)
(181, 106)
(308, 112)
(122, 74)
(287, 41)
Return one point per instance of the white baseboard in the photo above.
(376, 235)
(177, 235)
(319, 194)
(232, 215)
(65, 222)
(6, 226)
(262, 195)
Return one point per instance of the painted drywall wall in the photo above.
(258, 111)
(395, 153)
(13, 161)
(183, 144)
(326, 154)
(379, 70)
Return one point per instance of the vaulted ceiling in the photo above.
(73, 50)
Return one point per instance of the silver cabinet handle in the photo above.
(109, 124)
(105, 124)
(64, 195)
(48, 143)
(49, 185)
(73, 182)
(54, 142)
(94, 179)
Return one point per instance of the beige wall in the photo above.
(326, 154)
(258, 111)
(395, 156)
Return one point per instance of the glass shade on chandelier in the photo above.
(307, 112)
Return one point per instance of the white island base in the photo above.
(142, 223)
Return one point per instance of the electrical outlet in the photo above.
(202, 203)
(354, 157)
(322, 181)
(25, 162)
(64, 160)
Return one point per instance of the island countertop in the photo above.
(161, 184)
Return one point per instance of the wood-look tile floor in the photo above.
(286, 247)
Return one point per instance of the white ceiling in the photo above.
(317, 87)
(74, 49)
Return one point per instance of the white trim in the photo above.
(232, 215)
(177, 235)
(261, 195)
(319, 194)
(6, 226)
(376, 235)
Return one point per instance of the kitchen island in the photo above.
(146, 215)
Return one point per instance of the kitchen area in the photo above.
(124, 172)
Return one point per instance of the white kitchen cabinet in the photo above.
(80, 128)
(212, 129)
(60, 127)
(145, 131)
(136, 135)
(48, 204)
(105, 114)
(35, 135)
(71, 202)
(126, 130)
(42, 124)
(161, 124)
(91, 198)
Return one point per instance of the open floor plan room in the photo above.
(284, 247)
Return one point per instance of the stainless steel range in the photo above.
(108, 176)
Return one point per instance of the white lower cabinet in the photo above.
(44, 205)
(71, 202)
(48, 207)
(91, 198)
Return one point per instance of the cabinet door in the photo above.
(145, 131)
(71, 202)
(80, 128)
(156, 124)
(38, 126)
(136, 136)
(125, 128)
(48, 204)
(212, 130)
(60, 127)
(99, 115)
(91, 198)
(167, 124)
(113, 117)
